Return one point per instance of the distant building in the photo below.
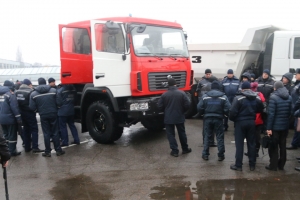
(10, 64)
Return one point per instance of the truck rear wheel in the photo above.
(101, 123)
(154, 124)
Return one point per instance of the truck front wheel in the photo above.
(154, 124)
(101, 123)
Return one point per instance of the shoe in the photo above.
(59, 153)
(27, 150)
(297, 168)
(233, 167)
(280, 168)
(298, 158)
(16, 153)
(46, 154)
(189, 150)
(291, 147)
(252, 168)
(37, 150)
(174, 154)
(221, 158)
(213, 145)
(205, 157)
(269, 168)
(78, 143)
(64, 145)
(225, 129)
(246, 154)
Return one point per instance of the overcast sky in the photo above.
(33, 24)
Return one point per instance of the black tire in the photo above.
(101, 123)
(154, 124)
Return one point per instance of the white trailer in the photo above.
(266, 47)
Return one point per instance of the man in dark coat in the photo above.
(175, 103)
(65, 100)
(43, 100)
(243, 112)
(30, 127)
(295, 94)
(10, 116)
(279, 111)
(4, 152)
(230, 87)
(265, 84)
(287, 80)
(214, 105)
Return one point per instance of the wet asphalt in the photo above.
(139, 166)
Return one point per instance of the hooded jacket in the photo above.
(65, 100)
(295, 92)
(9, 109)
(23, 96)
(230, 87)
(174, 103)
(245, 106)
(279, 110)
(266, 87)
(289, 85)
(43, 100)
(248, 76)
(205, 85)
(214, 104)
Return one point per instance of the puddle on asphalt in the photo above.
(272, 188)
(80, 187)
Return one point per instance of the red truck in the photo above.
(120, 67)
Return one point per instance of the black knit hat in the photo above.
(207, 71)
(298, 71)
(267, 71)
(8, 83)
(27, 81)
(230, 71)
(171, 82)
(246, 85)
(278, 84)
(215, 85)
(42, 81)
(50, 80)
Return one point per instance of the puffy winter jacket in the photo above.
(65, 99)
(230, 87)
(174, 103)
(266, 87)
(23, 96)
(205, 85)
(245, 106)
(43, 99)
(9, 109)
(214, 104)
(279, 110)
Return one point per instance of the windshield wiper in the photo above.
(146, 53)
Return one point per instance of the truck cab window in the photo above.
(297, 48)
(76, 40)
(109, 41)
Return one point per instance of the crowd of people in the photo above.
(19, 104)
(256, 106)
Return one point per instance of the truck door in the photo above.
(111, 59)
(294, 54)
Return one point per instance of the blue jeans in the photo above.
(63, 121)
(30, 130)
(211, 125)
(50, 128)
(170, 129)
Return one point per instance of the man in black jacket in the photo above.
(265, 84)
(30, 127)
(175, 103)
(243, 113)
(214, 105)
(279, 111)
(4, 152)
(43, 99)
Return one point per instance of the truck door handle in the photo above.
(99, 76)
(66, 74)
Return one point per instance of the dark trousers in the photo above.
(225, 122)
(63, 121)
(245, 129)
(258, 131)
(296, 139)
(170, 128)
(50, 127)
(278, 140)
(11, 136)
(212, 125)
(30, 130)
(211, 138)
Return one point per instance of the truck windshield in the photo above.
(159, 41)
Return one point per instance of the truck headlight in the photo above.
(139, 106)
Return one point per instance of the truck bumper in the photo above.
(139, 108)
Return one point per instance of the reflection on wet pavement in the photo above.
(272, 188)
(80, 187)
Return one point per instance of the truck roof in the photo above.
(130, 20)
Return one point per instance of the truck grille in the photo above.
(159, 81)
